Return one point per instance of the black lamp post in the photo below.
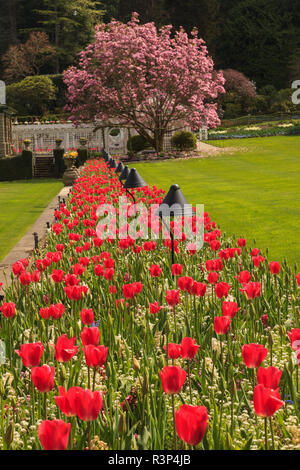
(112, 164)
(174, 205)
(120, 167)
(125, 173)
(134, 180)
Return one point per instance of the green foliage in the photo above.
(184, 140)
(31, 95)
(137, 143)
(17, 167)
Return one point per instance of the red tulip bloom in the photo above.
(189, 348)
(54, 435)
(95, 355)
(90, 336)
(298, 279)
(8, 309)
(257, 260)
(18, 268)
(266, 401)
(191, 423)
(154, 307)
(25, 278)
(269, 377)
(172, 378)
(252, 289)
(230, 309)
(274, 267)
(213, 278)
(57, 275)
(36, 276)
(222, 325)
(88, 404)
(254, 355)
(75, 292)
(294, 336)
(65, 349)
(198, 288)
(56, 311)
(172, 297)
(66, 400)
(87, 316)
(31, 354)
(244, 277)
(241, 242)
(264, 319)
(222, 289)
(129, 291)
(185, 283)
(99, 270)
(155, 270)
(174, 350)
(176, 269)
(43, 378)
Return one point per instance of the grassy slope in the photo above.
(21, 203)
(253, 193)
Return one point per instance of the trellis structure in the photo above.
(43, 137)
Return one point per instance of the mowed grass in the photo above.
(252, 193)
(21, 203)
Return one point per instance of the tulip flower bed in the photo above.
(109, 346)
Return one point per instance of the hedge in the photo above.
(59, 166)
(17, 167)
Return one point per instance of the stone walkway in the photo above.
(26, 245)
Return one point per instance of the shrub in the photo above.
(184, 140)
(137, 143)
(17, 167)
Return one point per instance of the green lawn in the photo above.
(21, 203)
(253, 193)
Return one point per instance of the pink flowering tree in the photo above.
(139, 77)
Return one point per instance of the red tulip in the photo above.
(87, 316)
(174, 350)
(230, 309)
(57, 275)
(185, 283)
(266, 401)
(172, 297)
(269, 377)
(56, 311)
(90, 336)
(172, 378)
(254, 355)
(191, 423)
(241, 242)
(252, 289)
(154, 307)
(31, 354)
(176, 269)
(198, 288)
(43, 378)
(88, 404)
(294, 336)
(95, 355)
(275, 267)
(298, 279)
(54, 435)
(155, 270)
(189, 348)
(65, 349)
(244, 277)
(25, 278)
(213, 278)
(8, 309)
(222, 325)
(66, 400)
(222, 289)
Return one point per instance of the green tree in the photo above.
(32, 95)
(70, 25)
